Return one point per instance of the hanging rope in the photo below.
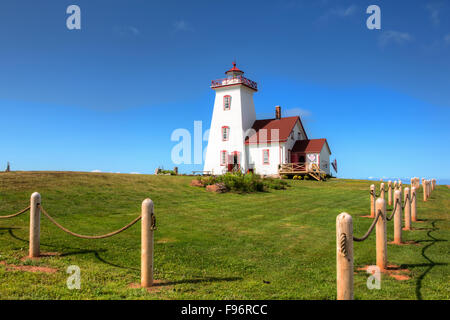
(364, 237)
(93, 237)
(413, 197)
(406, 198)
(393, 210)
(16, 214)
(374, 194)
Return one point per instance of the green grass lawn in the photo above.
(271, 245)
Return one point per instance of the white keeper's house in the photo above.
(237, 141)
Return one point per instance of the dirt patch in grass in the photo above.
(158, 286)
(393, 271)
(42, 255)
(13, 267)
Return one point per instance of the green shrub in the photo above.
(250, 182)
(171, 172)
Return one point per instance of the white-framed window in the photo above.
(223, 157)
(266, 156)
(225, 133)
(226, 102)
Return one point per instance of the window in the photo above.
(225, 133)
(226, 102)
(266, 156)
(223, 157)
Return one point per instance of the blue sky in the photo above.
(107, 97)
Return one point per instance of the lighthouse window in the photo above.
(226, 102)
(266, 156)
(225, 133)
(223, 157)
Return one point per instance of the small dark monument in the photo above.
(8, 167)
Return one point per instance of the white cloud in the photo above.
(396, 37)
(182, 25)
(96, 170)
(434, 10)
(296, 112)
(340, 12)
(135, 173)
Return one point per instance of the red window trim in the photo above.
(222, 152)
(268, 156)
(228, 133)
(229, 105)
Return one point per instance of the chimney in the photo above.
(278, 112)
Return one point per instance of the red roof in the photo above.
(310, 146)
(235, 69)
(264, 129)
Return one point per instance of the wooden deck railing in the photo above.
(293, 167)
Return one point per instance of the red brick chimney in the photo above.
(278, 112)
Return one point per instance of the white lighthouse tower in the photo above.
(233, 115)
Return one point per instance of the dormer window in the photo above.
(226, 103)
(225, 133)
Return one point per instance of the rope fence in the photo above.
(16, 214)
(107, 235)
(148, 226)
(372, 226)
(344, 228)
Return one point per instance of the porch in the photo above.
(301, 168)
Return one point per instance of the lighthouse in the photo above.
(233, 115)
(271, 147)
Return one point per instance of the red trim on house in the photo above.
(229, 104)
(227, 134)
(268, 156)
(221, 153)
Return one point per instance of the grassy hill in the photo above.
(272, 245)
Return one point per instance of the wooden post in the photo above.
(390, 192)
(147, 244)
(395, 185)
(413, 204)
(380, 205)
(382, 191)
(407, 210)
(424, 187)
(398, 217)
(372, 201)
(428, 188)
(433, 184)
(35, 225)
(344, 256)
